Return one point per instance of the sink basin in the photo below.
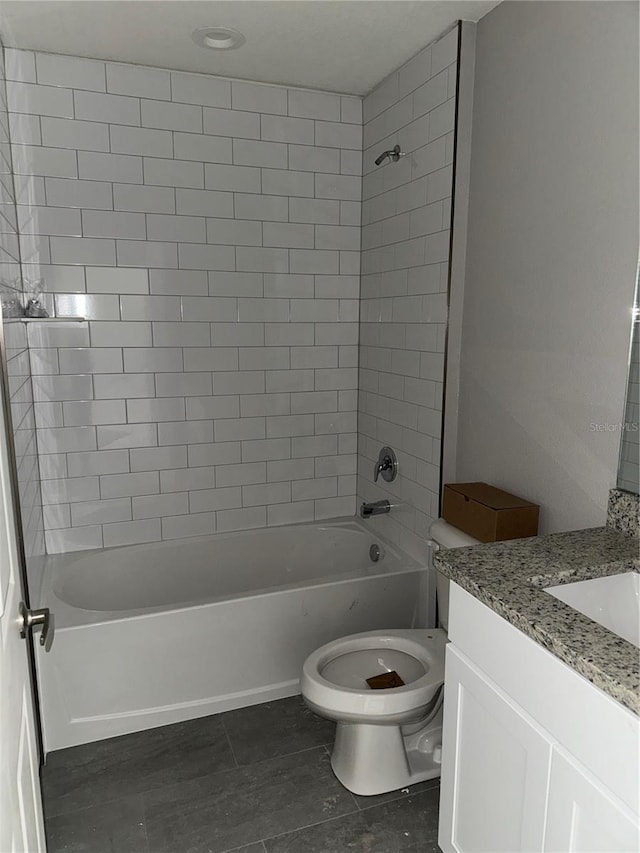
(612, 601)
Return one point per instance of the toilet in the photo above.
(388, 738)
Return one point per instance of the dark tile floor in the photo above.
(256, 780)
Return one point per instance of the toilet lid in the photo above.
(353, 668)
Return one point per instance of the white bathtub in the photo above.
(152, 634)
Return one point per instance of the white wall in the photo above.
(209, 230)
(403, 310)
(552, 253)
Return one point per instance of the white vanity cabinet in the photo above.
(495, 767)
(535, 757)
(582, 815)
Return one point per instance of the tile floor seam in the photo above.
(353, 807)
(353, 799)
(228, 736)
(138, 792)
(310, 825)
(401, 796)
(243, 847)
(273, 758)
(352, 811)
(288, 754)
(92, 806)
(145, 793)
(148, 791)
(334, 819)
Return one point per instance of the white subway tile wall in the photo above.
(209, 231)
(18, 364)
(406, 215)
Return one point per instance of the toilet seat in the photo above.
(418, 652)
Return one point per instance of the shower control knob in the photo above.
(387, 465)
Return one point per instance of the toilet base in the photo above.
(374, 759)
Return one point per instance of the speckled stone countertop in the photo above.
(510, 578)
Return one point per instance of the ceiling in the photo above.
(336, 45)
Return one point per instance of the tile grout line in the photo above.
(359, 811)
(311, 825)
(400, 796)
(245, 847)
(355, 810)
(275, 757)
(233, 754)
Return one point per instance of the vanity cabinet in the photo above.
(499, 763)
(535, 757)
(582, 815)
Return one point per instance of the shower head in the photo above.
(393, 154)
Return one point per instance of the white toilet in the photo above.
(390, 738)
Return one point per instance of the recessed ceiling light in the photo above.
(218, 38)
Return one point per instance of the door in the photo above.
(583, 816)
(21, 820)
(495, 767)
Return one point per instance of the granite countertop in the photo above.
(509, 577)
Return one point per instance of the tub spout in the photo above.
(375, 508)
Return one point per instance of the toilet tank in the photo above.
(444, 535)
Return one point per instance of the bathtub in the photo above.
(147, 635)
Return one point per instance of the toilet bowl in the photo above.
(370, 754)
(386, 738)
